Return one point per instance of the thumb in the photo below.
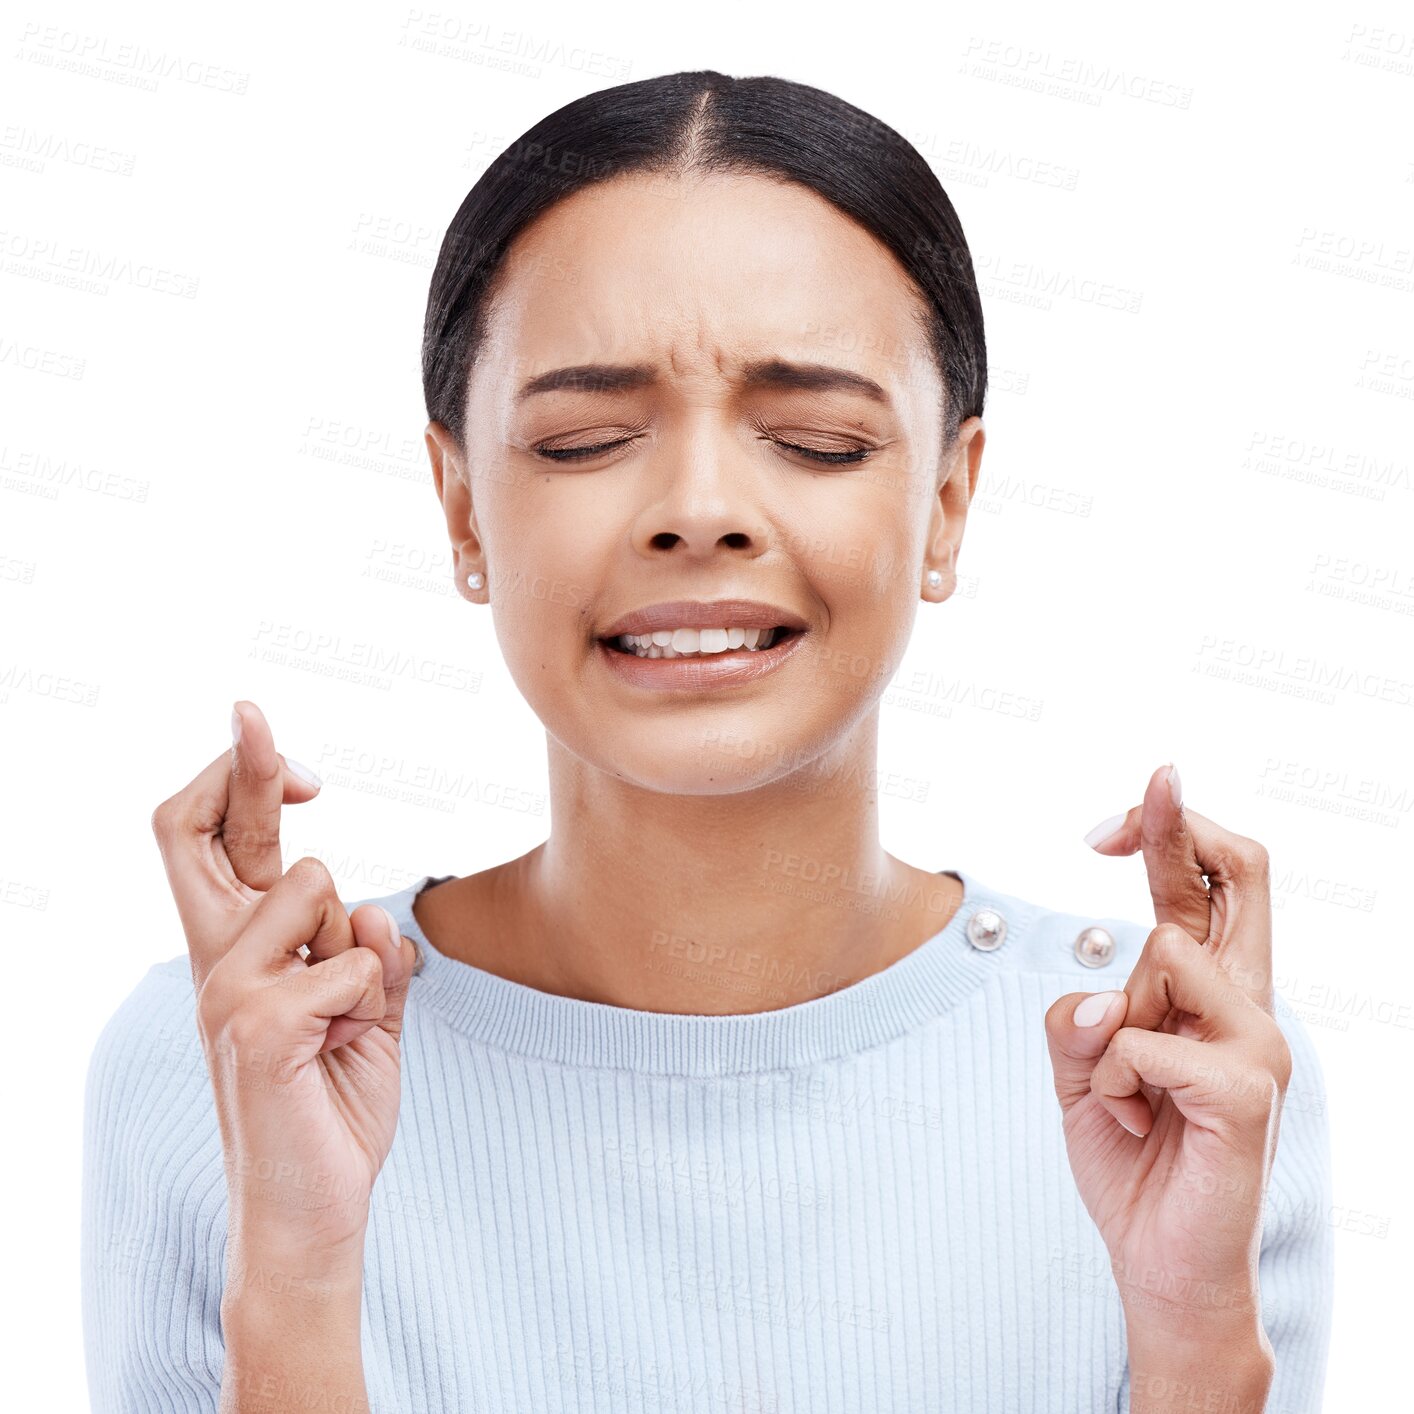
(376, 928)
(398, 993)
(1079, 1026)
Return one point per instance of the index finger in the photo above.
(250, 832)
(212, 901)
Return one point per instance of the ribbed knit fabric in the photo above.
(858, 1203)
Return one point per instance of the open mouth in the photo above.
(702, 643)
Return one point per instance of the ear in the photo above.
(956, 487)
(453, 486)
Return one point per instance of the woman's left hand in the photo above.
(1171, 1099)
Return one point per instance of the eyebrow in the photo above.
(763, 373)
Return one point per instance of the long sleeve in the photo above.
(1297, 1262)
(153, 1222)
(856, 1204)
(1297, 1268)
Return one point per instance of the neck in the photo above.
(704, 904)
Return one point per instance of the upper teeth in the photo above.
(677, 642)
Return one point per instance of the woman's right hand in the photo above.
(303, 1050)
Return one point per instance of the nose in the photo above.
(705, 498)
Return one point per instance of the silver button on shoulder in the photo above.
(1095, 947)
(986, 930)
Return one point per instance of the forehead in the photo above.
(697, 273)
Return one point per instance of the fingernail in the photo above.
(1093, 1010)
(1175, 786)
(1104, 830)
(235, 727)
(1136, 1133)
(395, 933)
(303, 771)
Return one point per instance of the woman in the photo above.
(707, 1102)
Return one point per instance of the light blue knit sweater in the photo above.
(858, 1203)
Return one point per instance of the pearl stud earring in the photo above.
(474, 580)
(935, 578)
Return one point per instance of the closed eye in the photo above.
(565, 454)
(829, 458)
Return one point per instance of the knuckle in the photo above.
(1256, 861)
(209, 1016)
(1222, 862)
(1262, 1093)
(366, 965)
(311, 874)
(1240, 859)
(242, 1030)
(212, 1002)
(1127, 1045)
(1280, 1058)
(1244, 1091)
(228, 1007)
(354, 967)
(163, 821)
(1108, 1070)
(185, 813)
(1169, 946)
(234, 1012)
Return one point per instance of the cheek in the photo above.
(543, 544)
(860, 561)
(860, 549)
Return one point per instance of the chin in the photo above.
(710, 752)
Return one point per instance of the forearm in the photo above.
(291, 1325)
(1228, 1369)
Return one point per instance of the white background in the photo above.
(1192, 539)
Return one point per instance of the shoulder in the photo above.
(152, 1032)
(1028, 936)
(154, 1202)
(149, 1112)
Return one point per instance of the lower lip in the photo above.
(729, 669)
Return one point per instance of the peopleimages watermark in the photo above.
(1066, 76)
(850, 880)
(485, 42)
(120, 61)
(55, 261)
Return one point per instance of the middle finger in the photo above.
(1209, 881)
(1172, 974)
(251, 830)
(212, 901)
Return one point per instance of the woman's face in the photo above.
(718, 314)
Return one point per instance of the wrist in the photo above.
(280, 1204)
(1228, 1367)
(266, 1277)
(1175, 1305)
(333, 1252)
(297, 1208)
